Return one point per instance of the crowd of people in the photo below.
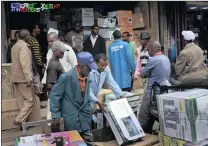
(77, 69)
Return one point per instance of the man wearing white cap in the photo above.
(190, 62)
(68, 61)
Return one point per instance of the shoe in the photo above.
(17, 124)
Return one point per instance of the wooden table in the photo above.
(148, 140)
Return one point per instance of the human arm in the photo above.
(113, 85)
(71, 57)
(138, 64)
(26, 62)
(129, 57)
(56, 95)
(146, 72)
(102, 46)
(180, 64)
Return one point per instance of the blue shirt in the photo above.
(97, 81)
(156, 70)
(121, 61)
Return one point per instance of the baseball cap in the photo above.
(58, 45)
(86, 58)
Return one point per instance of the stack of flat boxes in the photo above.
(184, 115)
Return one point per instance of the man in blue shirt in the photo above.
(157, 70)
(121, 62)
(99, 76)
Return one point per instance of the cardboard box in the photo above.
(88, 21)
(10, 110)
(183, 115)
(137, 21)
(12, 33)
(127, 29)
(170, 141)
(107, 33)
(84, 15)
(83, 12)
(107, 22)
(124, 17)
(125, 126)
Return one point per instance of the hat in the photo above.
(188, 35)
(145, 35)
(86, 58)
(58, 45)
(53, 30)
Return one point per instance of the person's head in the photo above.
(153, 47)
(188, 36)
(85, 63)
(69, 26)
(61, 36)
(95, 29)
(52, 37)
(101, 61)
(23, 34)
(144, 38)
(126, 36)
(58, 49)
(117, 34)
(77, 26)
(16, 35)
(35, 30)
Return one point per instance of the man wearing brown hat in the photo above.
(142, 55)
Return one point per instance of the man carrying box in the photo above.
(99, 76)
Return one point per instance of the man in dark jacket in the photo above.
(95, 44)
(69, 98)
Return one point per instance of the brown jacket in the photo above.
(190, 63)
(21, 63)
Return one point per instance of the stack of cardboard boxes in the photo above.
(183, 117)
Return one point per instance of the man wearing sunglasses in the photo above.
(69, 98)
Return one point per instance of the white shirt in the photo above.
(68, 61)
(93, 39)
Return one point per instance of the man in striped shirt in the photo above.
(35, 49)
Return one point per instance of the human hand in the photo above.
(135, 78)
(101, 105)
(29, 83)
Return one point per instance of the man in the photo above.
(55, 69)
(61, 36)
(142, 54)
(126, 38)
(121, 62)
(22, 76)
(95, 44)
(190, 62)
(69, 26)
(75, 37)
(99, 76)
(156, 70)
(70, 99)
(69, 60)
(35, 48)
